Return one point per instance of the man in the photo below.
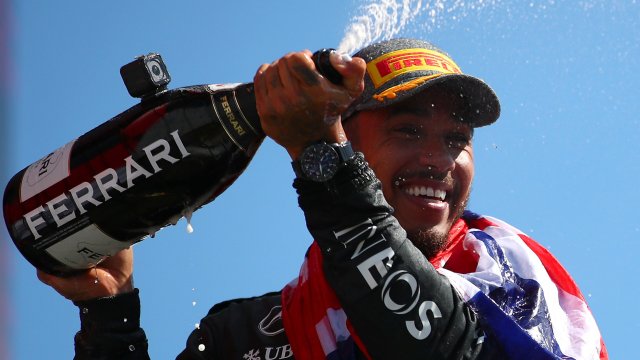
(424, 279)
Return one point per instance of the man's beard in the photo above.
(430, 241)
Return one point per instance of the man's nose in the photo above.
(436, 155)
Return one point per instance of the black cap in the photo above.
(400, 68)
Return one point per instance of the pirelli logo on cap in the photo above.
(395, 63)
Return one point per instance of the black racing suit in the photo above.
(398, 304)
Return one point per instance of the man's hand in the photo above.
(298, 106)
(111, 277)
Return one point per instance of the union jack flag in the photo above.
(526, 299)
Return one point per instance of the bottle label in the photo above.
(85, 248)
(229, 112)
(65, 211)
(46, 172)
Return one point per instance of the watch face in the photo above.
(319, 162)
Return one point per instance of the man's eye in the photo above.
(458, 140)
(408, 130)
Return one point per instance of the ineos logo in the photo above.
(424, 330)
(393, 279)
(375, 268)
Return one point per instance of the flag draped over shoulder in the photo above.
(525, 300)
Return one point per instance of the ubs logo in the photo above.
(270, 353)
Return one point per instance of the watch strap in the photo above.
(344, 150)
(354, 175)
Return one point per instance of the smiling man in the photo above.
(399, 268)
(424, 160)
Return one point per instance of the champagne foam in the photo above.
(380, 20)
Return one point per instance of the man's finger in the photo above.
(352, 71)
(303, 69)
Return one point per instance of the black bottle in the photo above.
(144, 169)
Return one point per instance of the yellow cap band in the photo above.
(388, 66)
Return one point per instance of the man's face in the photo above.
(422, 154)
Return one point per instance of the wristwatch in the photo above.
(319, 162)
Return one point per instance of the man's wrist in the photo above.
(353, 176)
(321, 161)
(118, 312)
(334, 134)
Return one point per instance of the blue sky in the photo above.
(562, 163)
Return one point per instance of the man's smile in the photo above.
(426, 192)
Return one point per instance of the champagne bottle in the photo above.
(142, 170)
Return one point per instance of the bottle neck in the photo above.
(246, 99)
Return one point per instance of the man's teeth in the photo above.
(426, 191)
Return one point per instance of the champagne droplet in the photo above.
(188, 217)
